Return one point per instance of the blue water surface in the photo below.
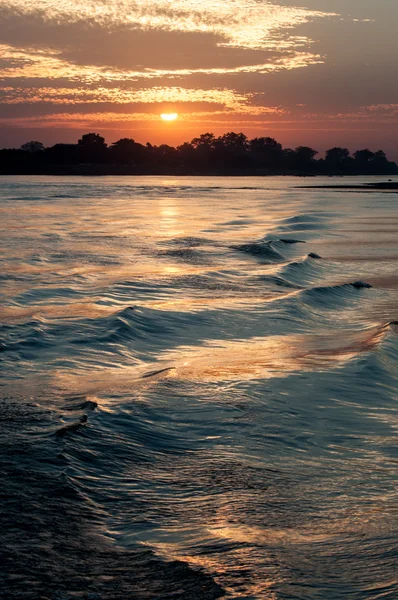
(200, 370)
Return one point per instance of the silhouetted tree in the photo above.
(204, 147)
(237, 142)
(92, 148)
(380, 163)
(33, 147)
(92, 140)
(206, 140)
(266, 152)
(127, 151)
(187, 154)
(164, 157)
(337, 161)
(379, 155)
(289, 156)
(363, 157)
(207, 154)
(304, 159)
(231, 151)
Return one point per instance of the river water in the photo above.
(199, 389)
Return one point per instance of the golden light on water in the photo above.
(169, 116)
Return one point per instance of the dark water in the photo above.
(199, 390)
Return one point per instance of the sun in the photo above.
(169, 116)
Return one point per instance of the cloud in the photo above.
(157, 35)
(201, 112)
(375, 113)
(154, 95)
(31, 64)
(238, 23)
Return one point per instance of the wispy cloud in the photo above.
(154, 95)
(371, 113)
(240, 23)
(30, 63)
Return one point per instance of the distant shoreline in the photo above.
(382, 185)
(232, 154)
(89, 172)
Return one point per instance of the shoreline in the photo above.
(387, 185)
(380, 186)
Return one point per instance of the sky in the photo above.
(307, 72)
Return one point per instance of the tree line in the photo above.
(231, 153)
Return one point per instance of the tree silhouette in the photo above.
(237, 142)
(337, 160)
(92, 140)
(264, 144)
(127, 151)
(33, 147)
(188, 156)
(363, 157)
(380, 164)
(231, 153)
(304, 158)
(266, 152)
(206, 140)
(92, 148)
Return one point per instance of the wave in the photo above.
(334, 292)
(304, 271)
(72, 427)
(138, 323)
(263, 250)
(278, 282)
(47, 497)
(306, 308)
(80, 403)
(330, 306)
(137, 327)
(306, 222)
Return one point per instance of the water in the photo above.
(189, 374)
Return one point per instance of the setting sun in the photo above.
(169, 116)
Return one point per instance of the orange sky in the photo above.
(317, 72)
